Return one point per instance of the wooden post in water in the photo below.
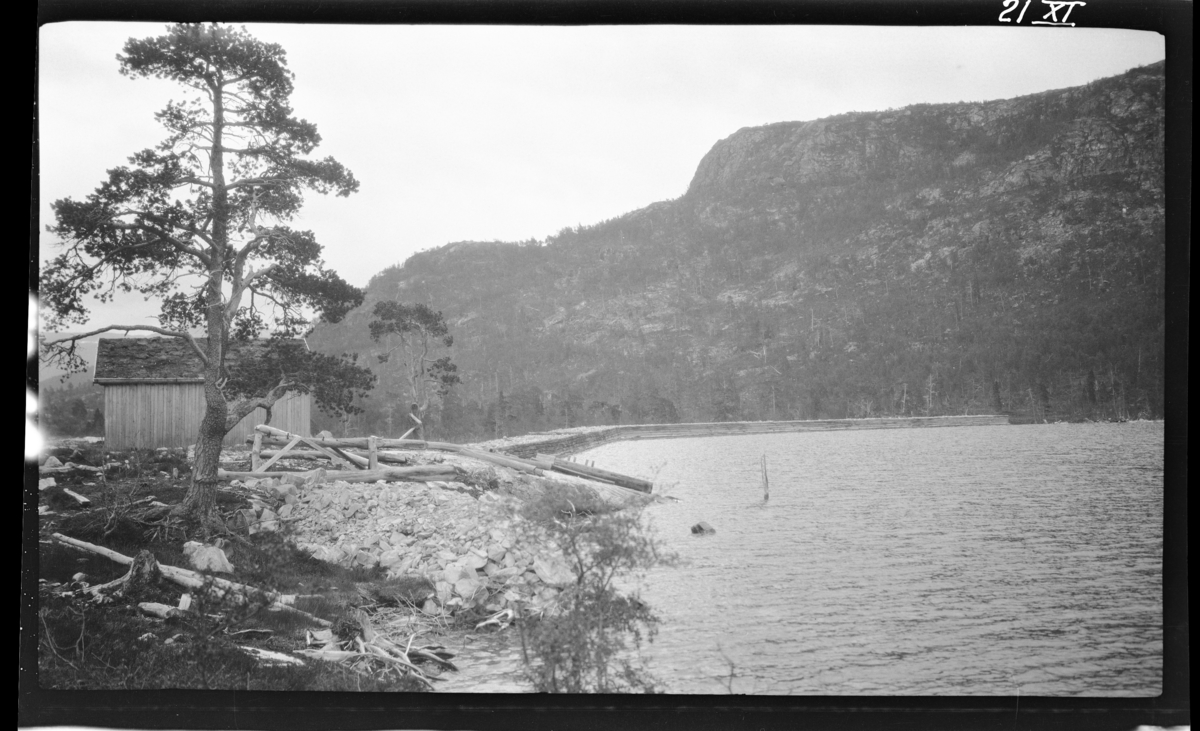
(766, 482)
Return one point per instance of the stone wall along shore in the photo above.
(569, 441)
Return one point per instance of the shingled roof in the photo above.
(125, 360)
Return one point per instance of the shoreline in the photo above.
(463, 536)
(579, 439)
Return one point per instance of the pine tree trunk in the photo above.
(200, 500)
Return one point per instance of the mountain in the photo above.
(954, 258)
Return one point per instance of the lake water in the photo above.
(999, 560)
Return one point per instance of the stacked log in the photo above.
(324, 445)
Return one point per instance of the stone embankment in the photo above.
(567, 441)
(467, 540)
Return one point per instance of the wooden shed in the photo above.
(154, 394)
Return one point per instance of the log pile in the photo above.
(343, 451)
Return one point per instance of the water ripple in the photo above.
(972, 560)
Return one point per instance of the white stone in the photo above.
(207, 558)
(466, 588)
(475, 561)
(553, 572)
(327, 554)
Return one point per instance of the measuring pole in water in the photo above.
(766, 482)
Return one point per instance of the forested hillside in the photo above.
(937, 259)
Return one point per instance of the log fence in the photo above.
(271, 445)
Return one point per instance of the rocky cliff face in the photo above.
(1002, 255)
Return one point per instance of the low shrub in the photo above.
(591, 642)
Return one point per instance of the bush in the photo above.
(584, 646)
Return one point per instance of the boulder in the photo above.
(207, 558)
(467, 588)
(552, 572)
(456, 572)
(703, 529)
(411, 590)
(474, 560)
(506, 574)
(267, 521)
(244, 518)
(390, 558)
(328, 554)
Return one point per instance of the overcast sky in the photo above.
(510, 133)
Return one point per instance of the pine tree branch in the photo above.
(130, 328)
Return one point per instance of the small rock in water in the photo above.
(703, 529)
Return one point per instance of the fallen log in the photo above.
(224, 588)
(162, 611)
(362, 443)
(595, 473)
(510, 462)
(83, 501)
(418, 473)
(314, 455)
(68, 467)
(622, 495)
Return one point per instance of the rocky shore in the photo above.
(462, 543)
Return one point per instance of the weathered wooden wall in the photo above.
(150, 415)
